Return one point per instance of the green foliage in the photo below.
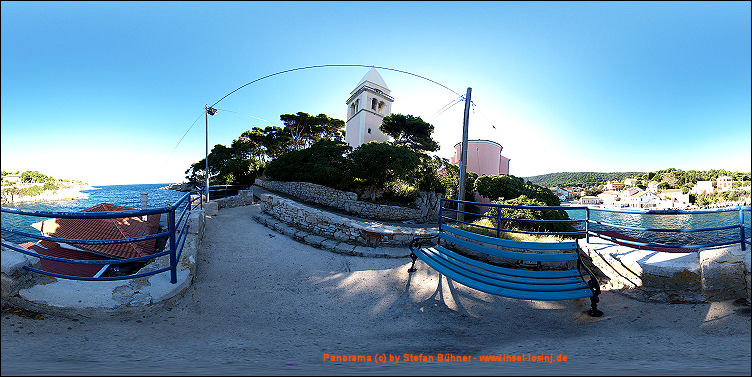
(530, 214)
(35, 177)
(375, 164)
(32, 190)
(322, 163)
(706, 199)
(49, 186)
(582, 179)
(400, 191)
(409, 131)
(505, 187)
(227, 166)
(304, 129)
(428, 177)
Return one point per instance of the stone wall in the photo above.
(336, 227)
(427, 203)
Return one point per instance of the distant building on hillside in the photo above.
(630, 181)
(653, 186)
(724, 183)
(367, 106)
(702, 187)
(675, 198)
(590, 200)
(614, 186)
(483, 157)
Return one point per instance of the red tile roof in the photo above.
(106, 229)
(55, 250)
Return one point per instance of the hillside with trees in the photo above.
(582, 179)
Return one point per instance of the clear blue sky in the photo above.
(104, 91)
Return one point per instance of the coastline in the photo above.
(68, 193)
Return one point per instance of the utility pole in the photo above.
(463, 157)
(209, 111)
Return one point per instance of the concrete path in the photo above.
(263, 303)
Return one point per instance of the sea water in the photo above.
(123, 195)
(669, 221)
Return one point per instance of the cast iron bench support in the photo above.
(505, 281)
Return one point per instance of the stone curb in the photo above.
(332, 245)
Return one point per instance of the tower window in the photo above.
(381, 107)
(374, 103)
(369, 130)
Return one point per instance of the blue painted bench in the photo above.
(517, 283)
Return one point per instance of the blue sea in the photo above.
(667, 221)
(124, 195)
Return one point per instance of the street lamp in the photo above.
(210, 111)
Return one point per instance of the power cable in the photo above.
(186, 133)
(334, 65)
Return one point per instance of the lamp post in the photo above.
(463, 158)
(209, 111)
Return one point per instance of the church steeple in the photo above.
(367, 106)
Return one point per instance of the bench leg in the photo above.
(594, 312)
(414, 257)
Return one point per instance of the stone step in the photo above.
(332, 245)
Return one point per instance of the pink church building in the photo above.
(483, 157)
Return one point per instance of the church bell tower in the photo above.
(367, 106)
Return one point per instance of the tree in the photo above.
(226, 166)
(375, 164)
(322, 163)
(409, 131)
(304, 129)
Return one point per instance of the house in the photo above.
(614, 186)
(626, 194)
(643, 199)
(702, 187)
(562, 193)
(593, 200)
(631, 181)
(724, 183)
(611, 199)
(674, 198)
(12, 178)
(653, 186)
(367, 106)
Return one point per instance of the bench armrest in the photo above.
(418, 241)
(593, 283)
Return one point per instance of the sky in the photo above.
(104, 91)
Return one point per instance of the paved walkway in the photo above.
(265, 304)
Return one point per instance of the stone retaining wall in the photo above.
(336, 227)
(715, 274)
(427, 203)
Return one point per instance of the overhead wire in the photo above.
(334, 65)
(186, 133)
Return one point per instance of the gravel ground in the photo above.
(262, 303)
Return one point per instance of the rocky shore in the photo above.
(67, 193)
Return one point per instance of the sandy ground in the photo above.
(263, 303)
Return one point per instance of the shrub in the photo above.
(530, 214)
(322, 163)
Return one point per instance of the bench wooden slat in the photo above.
(509, 243)
(535, 257)
(488, 277)
(519, 275)
(499, 291)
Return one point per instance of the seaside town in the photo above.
(636, 193)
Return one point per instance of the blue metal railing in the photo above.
(740, 225)
(499, 219)
(176, 236)
(587, 232)
(223, 191)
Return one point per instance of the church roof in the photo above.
(373, 77)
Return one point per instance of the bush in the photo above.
(400, 191)
(376, 164)
(530, 214)
(49, 186)
(322, 163)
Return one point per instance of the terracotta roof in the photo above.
(106, 229)
(55, 250)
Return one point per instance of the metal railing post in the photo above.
(587, 225)
(498, 222)
(741, 228)
(441, 206)
(173, 257)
